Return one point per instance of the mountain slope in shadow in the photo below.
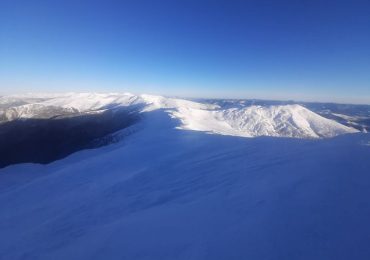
(47, 140)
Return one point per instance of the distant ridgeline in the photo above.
(356, 116)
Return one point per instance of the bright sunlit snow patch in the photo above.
(285, 121)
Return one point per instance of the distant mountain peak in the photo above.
(280, 121)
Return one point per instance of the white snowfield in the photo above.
(280, 121)
(283, 121)
(168, 193)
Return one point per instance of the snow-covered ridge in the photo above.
(48, 106)
(280, 121)
(35, 111)
(284, 121)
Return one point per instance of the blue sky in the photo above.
(304, 50)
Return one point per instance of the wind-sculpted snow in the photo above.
(166, 193)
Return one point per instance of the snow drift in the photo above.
(166, 193)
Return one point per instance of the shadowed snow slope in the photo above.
(166, 193)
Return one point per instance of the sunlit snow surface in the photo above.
(166, 192)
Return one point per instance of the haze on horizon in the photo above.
(301, 50)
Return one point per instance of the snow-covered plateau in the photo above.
(187, 180)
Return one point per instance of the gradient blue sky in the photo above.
(303, 50)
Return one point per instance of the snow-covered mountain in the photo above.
(48, 106)
(279, 120)
(283, 121)
(169, 191)
(35, 110)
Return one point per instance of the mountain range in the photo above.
(123, 176)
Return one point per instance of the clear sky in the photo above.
(304, 50)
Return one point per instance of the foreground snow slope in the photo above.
(166, 193)
(280, 120)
